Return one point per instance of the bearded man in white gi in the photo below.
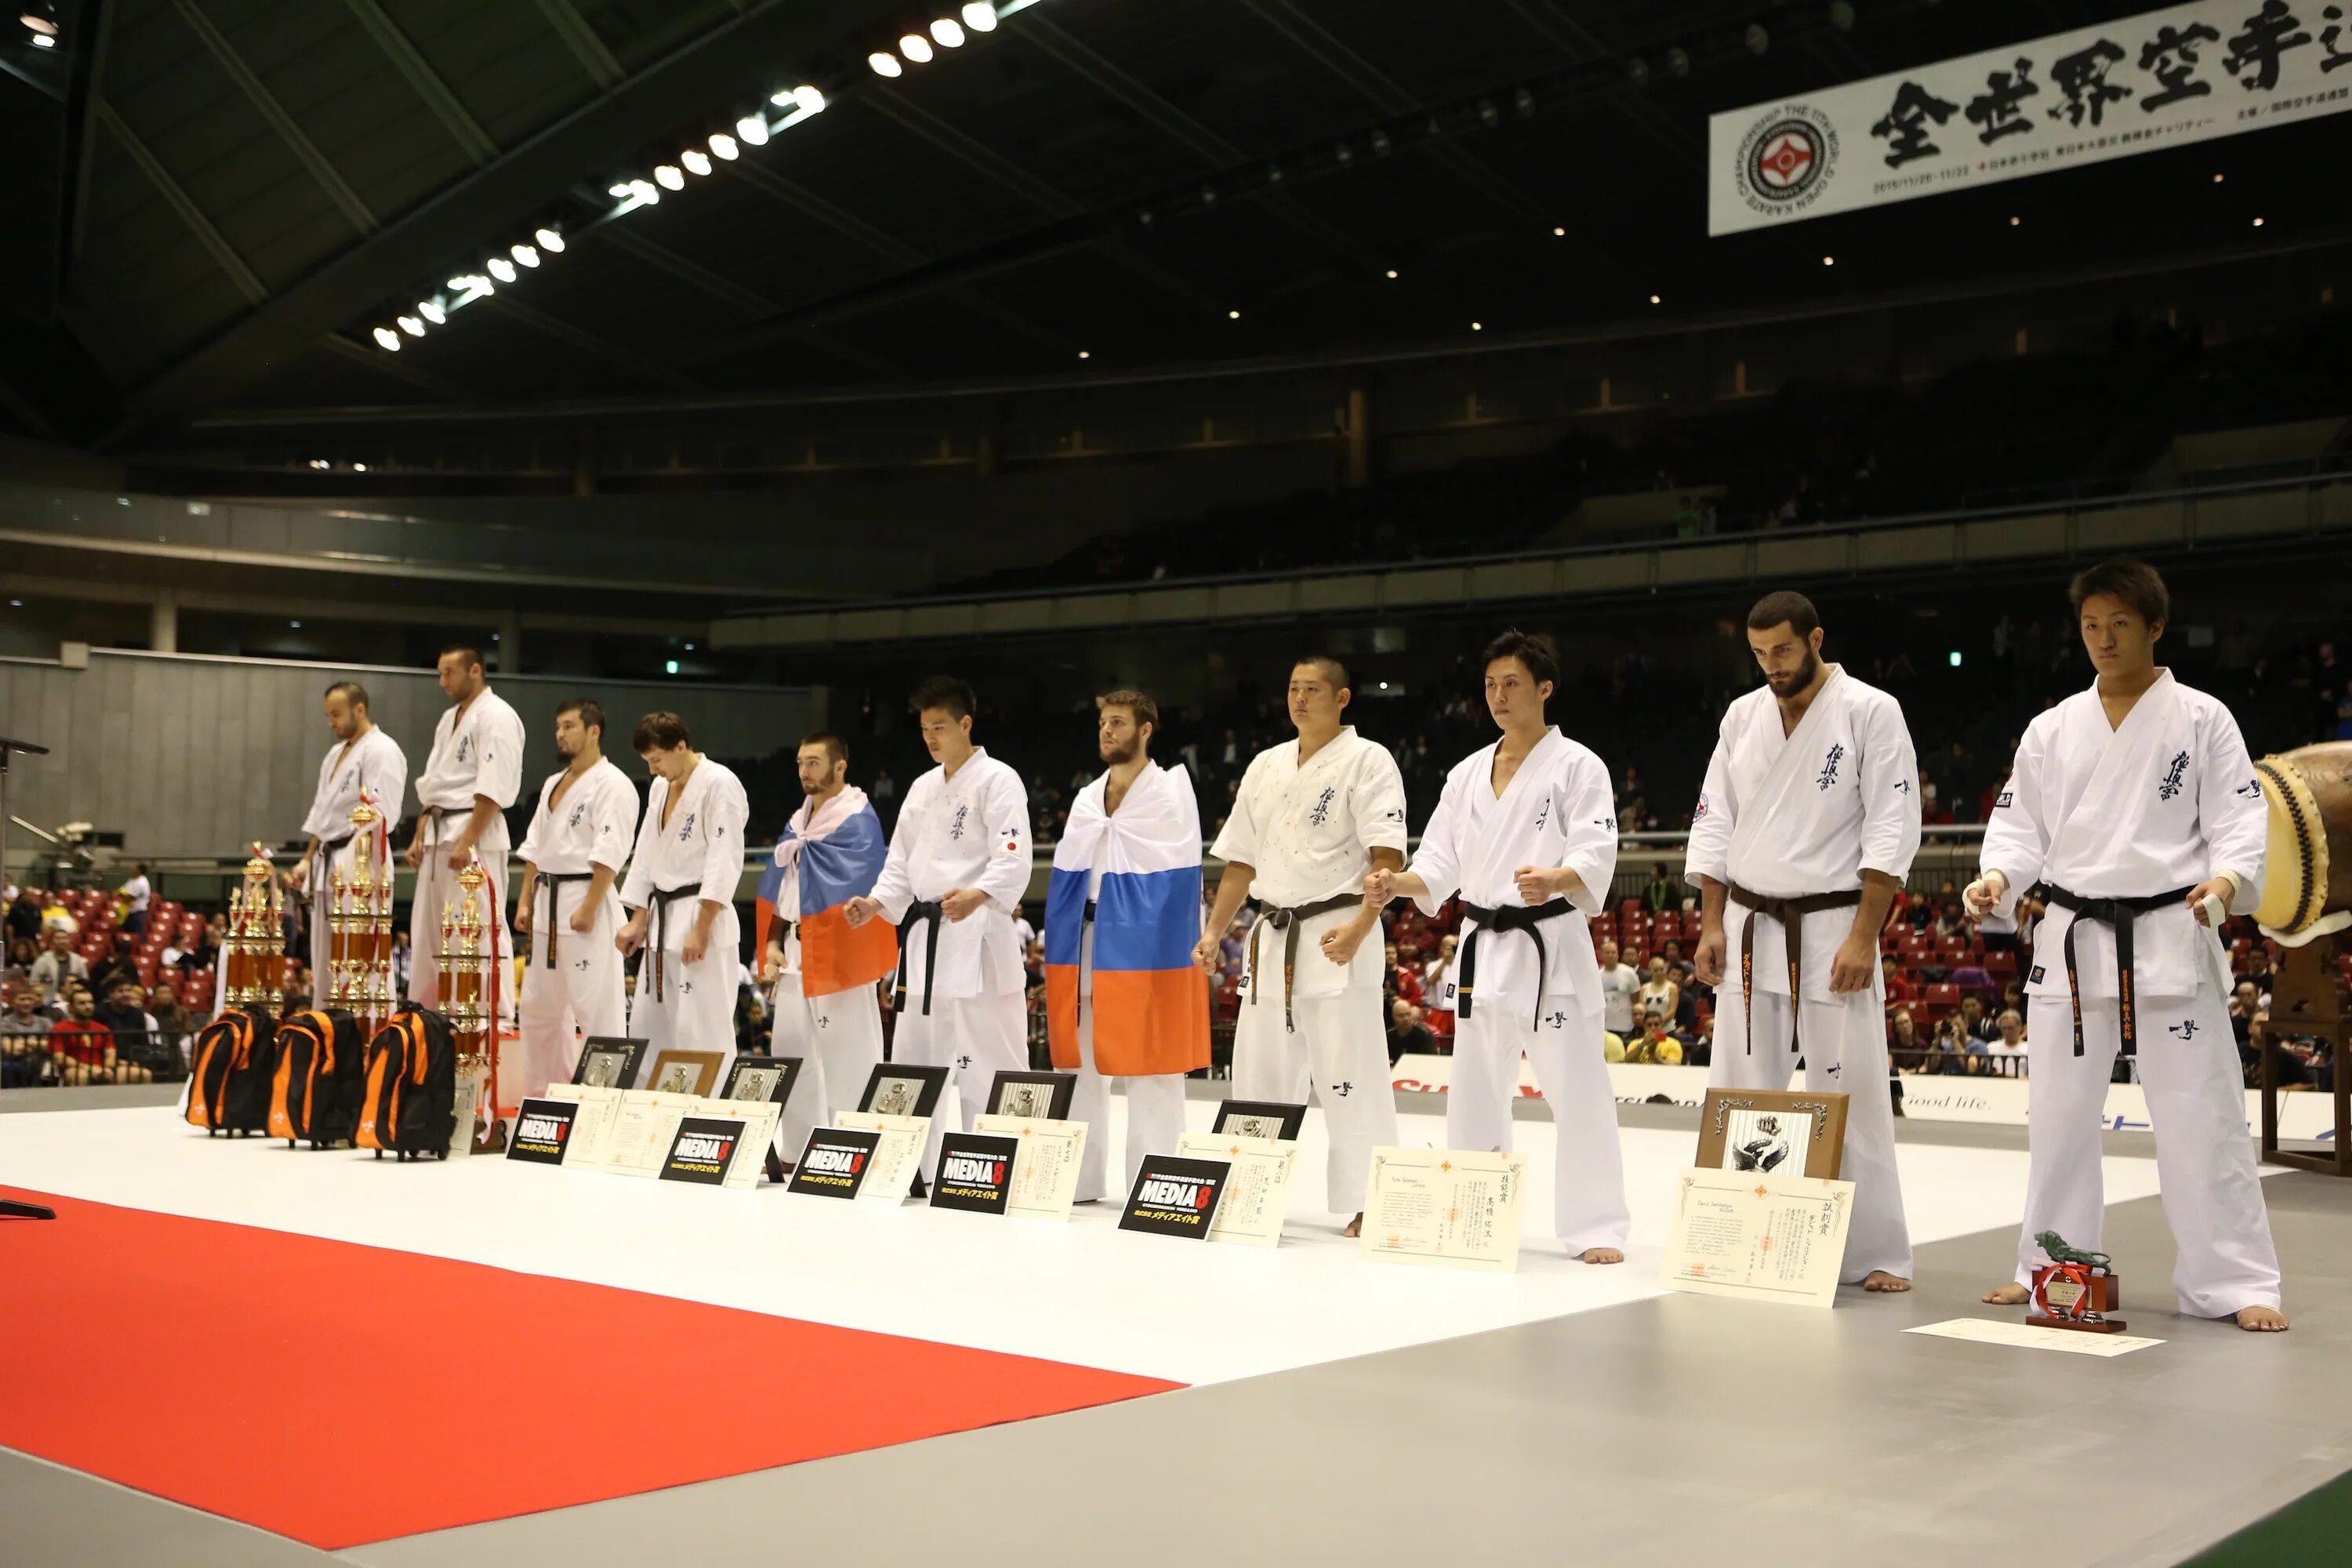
(1802, 836)
(2136, 807)
(472, 774)
(364, 761)
(958, 862)
(1525, 831)
(1312, 818)
(689, 852)
(567, 914)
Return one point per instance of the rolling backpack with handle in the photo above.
(229, 1090)
(408, 1105)
(320, 1073)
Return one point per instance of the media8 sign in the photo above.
(975, 1172)
(834, 1163)
(1175, 1196)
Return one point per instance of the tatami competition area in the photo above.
(307, 1356)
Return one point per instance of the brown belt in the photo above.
(550, 880)
(1287, 922)
(1791, 914)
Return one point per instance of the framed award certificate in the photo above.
(1046, 1172)
(898, 1153)
(1757, 1237)
(1257, 1184)
(1453, 1209)
(591, 1129)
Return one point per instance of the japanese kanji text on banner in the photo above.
(2187, 73)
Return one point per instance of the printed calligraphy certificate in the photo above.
(1257, 1184)
(1046, 1172)
(1761, 1238)
(898, 1158)
(758, 1121)
(1453, 1209)
(591, 1129)
(643, 1124)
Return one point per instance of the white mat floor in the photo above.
(1084, 1292)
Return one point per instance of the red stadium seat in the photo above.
(1943, 996)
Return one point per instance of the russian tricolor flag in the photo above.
(1150, 1005)
(839, 854)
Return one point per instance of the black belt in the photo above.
(550, 880)
(1791, 914)
(331, 845)
(1510, 917)
(2118, 915)
(1287, 922)
(659, 905)
(919, 910)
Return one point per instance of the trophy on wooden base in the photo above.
(469, 999)
(257, 938)
(360, 924)
(2075, 1289)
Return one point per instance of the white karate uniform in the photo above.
(1306, 832)
(1787, 816)
(1556, 811)
(479, 753)
(372, 763)
(969, 1016)
(2165, 801)
(696, 850)
(839, 1037)
(572, 980)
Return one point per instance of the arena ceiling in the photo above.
(240, 196)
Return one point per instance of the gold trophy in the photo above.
(256, 937)
(465, 971)
(364, 925)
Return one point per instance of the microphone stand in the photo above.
(9, 1209)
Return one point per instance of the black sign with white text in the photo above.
(702, 1149)
(975, 1172)
(1175, 1196)
(834, 1163)
(543, 1132)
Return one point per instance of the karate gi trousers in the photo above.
(579, 996)
(1564, 1046)
(839, 1041)
(696, 1009)
(1844, 1048)
(2204, 1156)
(436, 884)
(974, 1038)
(1337, 1055)
(1155, 1118)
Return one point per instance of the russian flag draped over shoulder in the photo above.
(1151, 1007)
(838, 852)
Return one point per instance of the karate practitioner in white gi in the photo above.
(681, 889)
(958, 862)
(839, 1037)
(1313, 817)
(1525, 831)
(2134, 804)
(567, 914)
(472, 774)
(363, 760)
(1802, 836)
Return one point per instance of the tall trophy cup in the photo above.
(2075, 1289)
(467, 980)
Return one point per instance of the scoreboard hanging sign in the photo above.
(2187, 73)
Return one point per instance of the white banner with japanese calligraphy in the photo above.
(2187, 73)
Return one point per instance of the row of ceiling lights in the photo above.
(467, 288)
(41, 22)
(980, 16)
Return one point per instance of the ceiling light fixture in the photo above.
(502, 270)
(916, 48)
(1232, 315)
(724, 146)
(669, 177)
(1391, 272)
(810, 100)
(754, 129)
(318, 462)
(948, 34)
(696, 162)
(432, 311)
(526, 255)
(1559, 233)
(980, 16)
(41, 24)
(387, 340)
(643, 192)
(2258, 223)
(1083, 354)
(1654, 300)
(549, 240)
(411, 326)
(1477, 326)
(43, 41)
(357, 468)
(885, 63)
(1829, 261)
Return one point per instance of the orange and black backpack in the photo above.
(229, 1089)
(408, 1105)
(314, 1094)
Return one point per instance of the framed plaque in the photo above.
(1757, 1237)
(542, 1133)
(895, 1088)
(1175, 1196)
(1772, 1133)
(975, 1172)
(1454, 1208)
(1260, 1119)
(1046, 1172)
(686, 1072)
(1044, 1095)
(834, 1164)
(1257, 1189)
(762, 1078)
(897, 1151)
(609, 1061)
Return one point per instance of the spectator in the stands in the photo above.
(22, 952)
(1659, 992)
(1979, 1030)
(122, 961)
(1661, 892)
(2008, 1032)
(1620, 984)
(125, 1018)
(138, 890)
(1404, 979)
(1930, 808)
(25, 914)
(1437, 1004)
(1680, 970)
(1903, 1040)
(58, 965)
(173, 1027)
(1897, 987)
(1955, 780)
(2245, 1001)
(24, 1038)
(1654, 1041)
(1407, 1032)
(82, 1048)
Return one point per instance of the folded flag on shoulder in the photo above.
(1149, 1007)
(839, 853)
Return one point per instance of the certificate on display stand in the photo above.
(643, 1127)
(897, 1152)
(591, 1129)
(1451, 1208)
(1759, 1238)
(1257, 1184)
(1045, 1172)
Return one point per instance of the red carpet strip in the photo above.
(339, 1393)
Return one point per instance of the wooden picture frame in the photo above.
(685, 1072)
(625, 1052)
(1762, 1129)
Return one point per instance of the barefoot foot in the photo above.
(2262, 1320)
(1355, 1226)
(1878, 1281)
(1602, 1255)
(2009, 1295)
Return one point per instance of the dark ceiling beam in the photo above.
(684, 84)
(215, 244)
(265, 103)
(85, 140)
(462, 128)
(749, 300)
(582, 39)
(393, 366)
(589, 343)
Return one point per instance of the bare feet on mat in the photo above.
(2261, 1320)
(1355, 1226)
(2009, 1295)
(1602, 1255)
(1878, 1281)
